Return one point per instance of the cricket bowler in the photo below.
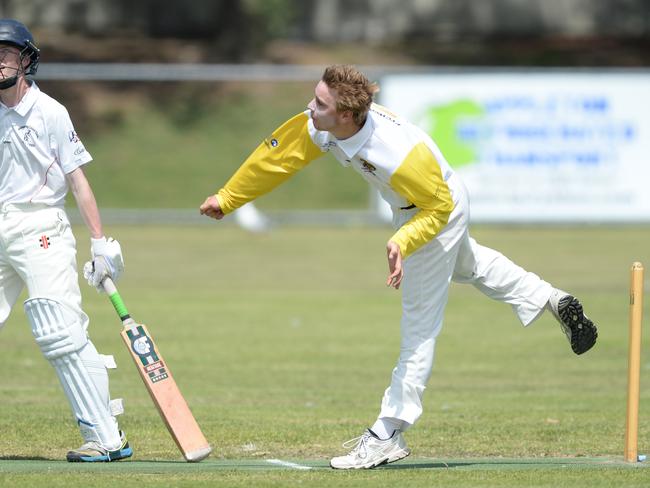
(41, 157)
(431, 246)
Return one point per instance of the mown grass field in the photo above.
(284, 342)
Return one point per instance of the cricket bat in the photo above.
(160, 383)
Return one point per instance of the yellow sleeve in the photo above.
(419, 180)
(288, 150)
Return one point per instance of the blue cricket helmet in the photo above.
(15, 33)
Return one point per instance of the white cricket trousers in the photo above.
(452, 255)
(38, 250)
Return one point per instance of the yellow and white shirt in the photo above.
(392, 154)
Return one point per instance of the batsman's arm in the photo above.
(86, 202)
(419, 179)
(285, 152)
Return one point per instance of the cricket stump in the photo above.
(634, 363)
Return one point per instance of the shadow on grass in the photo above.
(426, 465)
(513, 463)
(23, 458)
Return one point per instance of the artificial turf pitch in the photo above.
(34, 466)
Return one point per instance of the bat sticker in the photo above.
(142, 346)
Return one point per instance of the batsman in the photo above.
(41, 156)
(430, 248)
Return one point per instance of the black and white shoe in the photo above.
(567, 309)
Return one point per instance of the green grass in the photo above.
(283, 344)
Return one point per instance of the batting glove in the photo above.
(107, 261)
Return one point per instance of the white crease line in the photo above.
(287, 464)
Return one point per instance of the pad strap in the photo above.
(116, 407)
(108, 360)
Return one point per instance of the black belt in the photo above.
(407, 208)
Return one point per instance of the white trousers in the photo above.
(428, 273)
(38, 250)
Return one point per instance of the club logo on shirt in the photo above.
(44, 241)
(73, 137)
(271, 142)
(27, 134)
(366, 167)
(327, 146)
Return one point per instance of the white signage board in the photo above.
(537, 146)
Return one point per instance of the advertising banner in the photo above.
(537, 146)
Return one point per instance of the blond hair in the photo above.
(354, 90)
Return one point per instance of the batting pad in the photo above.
(80, 368)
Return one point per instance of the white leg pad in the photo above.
(80, 368)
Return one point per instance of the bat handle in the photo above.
(116, 299)
(109, 286)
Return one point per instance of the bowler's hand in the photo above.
(394, 265)
(211, 208)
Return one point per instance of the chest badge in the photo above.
(44, 241)
(366, 167)
(28, 134)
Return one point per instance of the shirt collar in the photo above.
(353, 144)
(27, 102)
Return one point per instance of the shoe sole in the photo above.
(583, 330)
(396, 456)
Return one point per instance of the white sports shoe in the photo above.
(567, 309)
(92, 452)
(370, 451)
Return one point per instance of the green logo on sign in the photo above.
(453, 128)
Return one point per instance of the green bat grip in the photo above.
(116, 299)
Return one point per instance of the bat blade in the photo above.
(165, 393)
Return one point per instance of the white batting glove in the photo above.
(107, 261)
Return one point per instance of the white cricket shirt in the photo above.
(379, 149)
(38, 147)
